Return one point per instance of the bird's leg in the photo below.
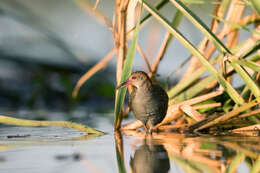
(145, 128)
(150, 130)
(148, 133)
(149, 127)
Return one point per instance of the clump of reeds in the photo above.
(198, 102)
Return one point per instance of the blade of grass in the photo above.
(237, 26)
(254, 58)
(22, 122)
(256, 4)
(228, 88)
(252, 65)
(252, 49)
(127, 69)
(200, 25)
(247, 79)
(158, 7)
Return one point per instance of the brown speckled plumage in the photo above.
(148, 101)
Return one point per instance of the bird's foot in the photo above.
(150, 131)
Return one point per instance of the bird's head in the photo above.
(137, 79)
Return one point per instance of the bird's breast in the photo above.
(143, 103)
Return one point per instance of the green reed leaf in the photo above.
(127, 69)
(200, 25)
(250, 64)
(256, 4)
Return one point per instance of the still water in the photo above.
(56, 149)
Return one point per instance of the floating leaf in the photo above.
(22, 122)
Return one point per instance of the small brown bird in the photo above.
(148, 101)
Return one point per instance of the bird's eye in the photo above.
(133, 77)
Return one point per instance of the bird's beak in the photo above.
(124, 84)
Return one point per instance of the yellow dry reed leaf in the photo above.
(187, 109)
(249, 113)
(35, 123)
(211, 105)
(141, 52)
(132, 126)
(255, 127)
(100, 65)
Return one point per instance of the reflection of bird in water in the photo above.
(148, 101)
(150, 158)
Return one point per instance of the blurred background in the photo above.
(45, 47)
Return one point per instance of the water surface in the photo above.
(57, 149)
